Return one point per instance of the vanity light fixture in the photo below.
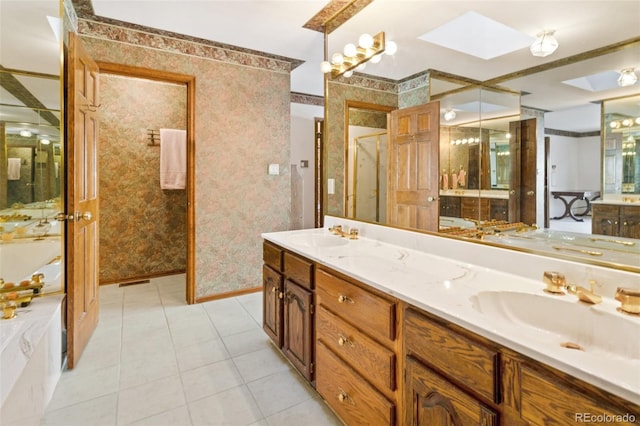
(627, 77)
(545, 44)
(25, 133)
(354, 57)
(449, 115)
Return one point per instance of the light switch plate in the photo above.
(274, 169)
(331, 186)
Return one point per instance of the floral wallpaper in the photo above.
(142, 227)
(242, 120)
(380, 93)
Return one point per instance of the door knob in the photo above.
(86, 216)
(530, 192)
(61, 217)
(431, 199)
(512, 192)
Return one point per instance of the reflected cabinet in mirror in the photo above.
(504, 173)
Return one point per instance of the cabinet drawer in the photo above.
(469, 362)
(272, 256)
(299, 270)
(369, 312)
(355, 400)
(605, 210)
(548, 401)
(363, 354)
(436, 401)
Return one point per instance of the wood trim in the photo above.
(228, 294)
(143, 277)
(190, 82)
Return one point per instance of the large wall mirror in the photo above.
(504, 154)
(31, 151)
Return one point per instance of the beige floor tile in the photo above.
(210, 379)
(201, 354)
(312, 412)
(150, 399)
(290, 388)
(141, 370)
(247, 341)
(262, 363)
(176, 417)
(80, 386)
(234, 407)
(99, 411)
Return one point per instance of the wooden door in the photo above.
(413, 156)
(82, 199)
(522, 182)
(298, 331)
(272, 304)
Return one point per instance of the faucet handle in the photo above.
(629, 300)
(353, 233)
(556, 282)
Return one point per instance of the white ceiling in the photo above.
(276, 27)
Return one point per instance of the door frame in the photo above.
(190, 82)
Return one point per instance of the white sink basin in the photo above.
(563, 320)
(318, 240)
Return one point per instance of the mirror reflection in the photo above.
(31, 152)
(502, 162)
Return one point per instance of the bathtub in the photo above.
(31, 343)
(22, 257)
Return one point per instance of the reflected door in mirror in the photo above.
(522, 194)
(413, 167)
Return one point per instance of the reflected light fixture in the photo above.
(627, 77)
(25, 133)
(354, 57)
(45, 141)
(545, 44)
(449, 115)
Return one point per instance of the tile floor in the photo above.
(153, 360)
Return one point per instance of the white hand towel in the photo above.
(173, 159)
(13, 169)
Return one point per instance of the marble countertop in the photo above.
(475, 193)
(449, 288)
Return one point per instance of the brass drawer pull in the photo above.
(344, 397)
(345, 299)
(344, 340)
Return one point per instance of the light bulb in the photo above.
(348, 74)
(25, 133)
(325, 67)
(337, 59)
(361, 67)
(390, 47)
(350, 50)
(376, 58)
(45, 141)
(365, 41)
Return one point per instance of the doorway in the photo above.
(151, 217)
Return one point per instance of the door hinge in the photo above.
(311, 309)
(311, 367)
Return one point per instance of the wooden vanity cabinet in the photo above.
(451, 378)
(499, 209)
(288, 306)
(536, 394)
(450, 206)
(616, 220)
(272, 293)
(356, 348)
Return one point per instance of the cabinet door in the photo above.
(499, 209)
(430, 400)
(630, 222)
(605, 220)
(298, 330)
(272, 304)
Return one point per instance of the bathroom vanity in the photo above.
(408, 328)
